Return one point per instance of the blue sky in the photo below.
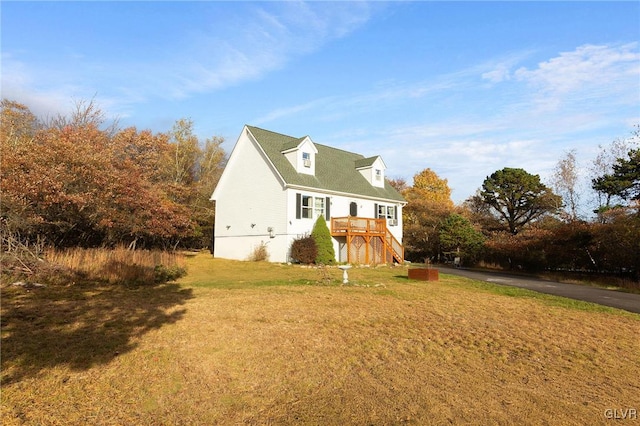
(463, 88)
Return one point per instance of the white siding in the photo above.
(249, 200)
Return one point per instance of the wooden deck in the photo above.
(368, 241)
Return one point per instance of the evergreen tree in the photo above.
(322, 237)
(518, 197)
(625, 179)
(457, 235)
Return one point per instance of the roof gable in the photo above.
(300, 143)
(369, 162)
(335, 169)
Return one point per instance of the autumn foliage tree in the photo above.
(77, 182)
(522, 251)
(616, 242)
(193, 170)
(428, 203)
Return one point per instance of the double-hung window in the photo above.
(318, 207)
(310, 207)
(306, 209)
(386, 212)
(391, 212)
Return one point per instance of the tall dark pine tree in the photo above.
(518, 197)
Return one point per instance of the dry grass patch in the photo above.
(119, 265)
(257, 343)
(114, 266)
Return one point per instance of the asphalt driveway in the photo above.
(616, 299)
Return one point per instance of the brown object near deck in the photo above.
(423, 274)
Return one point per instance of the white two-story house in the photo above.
(274, 187)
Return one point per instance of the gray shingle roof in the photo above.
(335, 168)
(366, 162)
(293, 143)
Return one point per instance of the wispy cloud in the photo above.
(588, 74)
(382, 96)
(501, 69)
(265, 38)
(258, 39)
(586, 65)
(23, 84)
(523, 117)
(585, 83)
(279, 113)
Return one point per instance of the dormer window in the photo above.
(301, 153)
(372, 169)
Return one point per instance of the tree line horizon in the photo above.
(77, 181)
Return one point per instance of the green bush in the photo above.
(304, 250)
(322, 236)
(163, 273)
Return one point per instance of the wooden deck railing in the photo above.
(368, 228)
(358, 224)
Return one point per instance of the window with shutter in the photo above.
(309, 207)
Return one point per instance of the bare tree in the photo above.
(84, 113)
(565, 181)
(185, 151)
